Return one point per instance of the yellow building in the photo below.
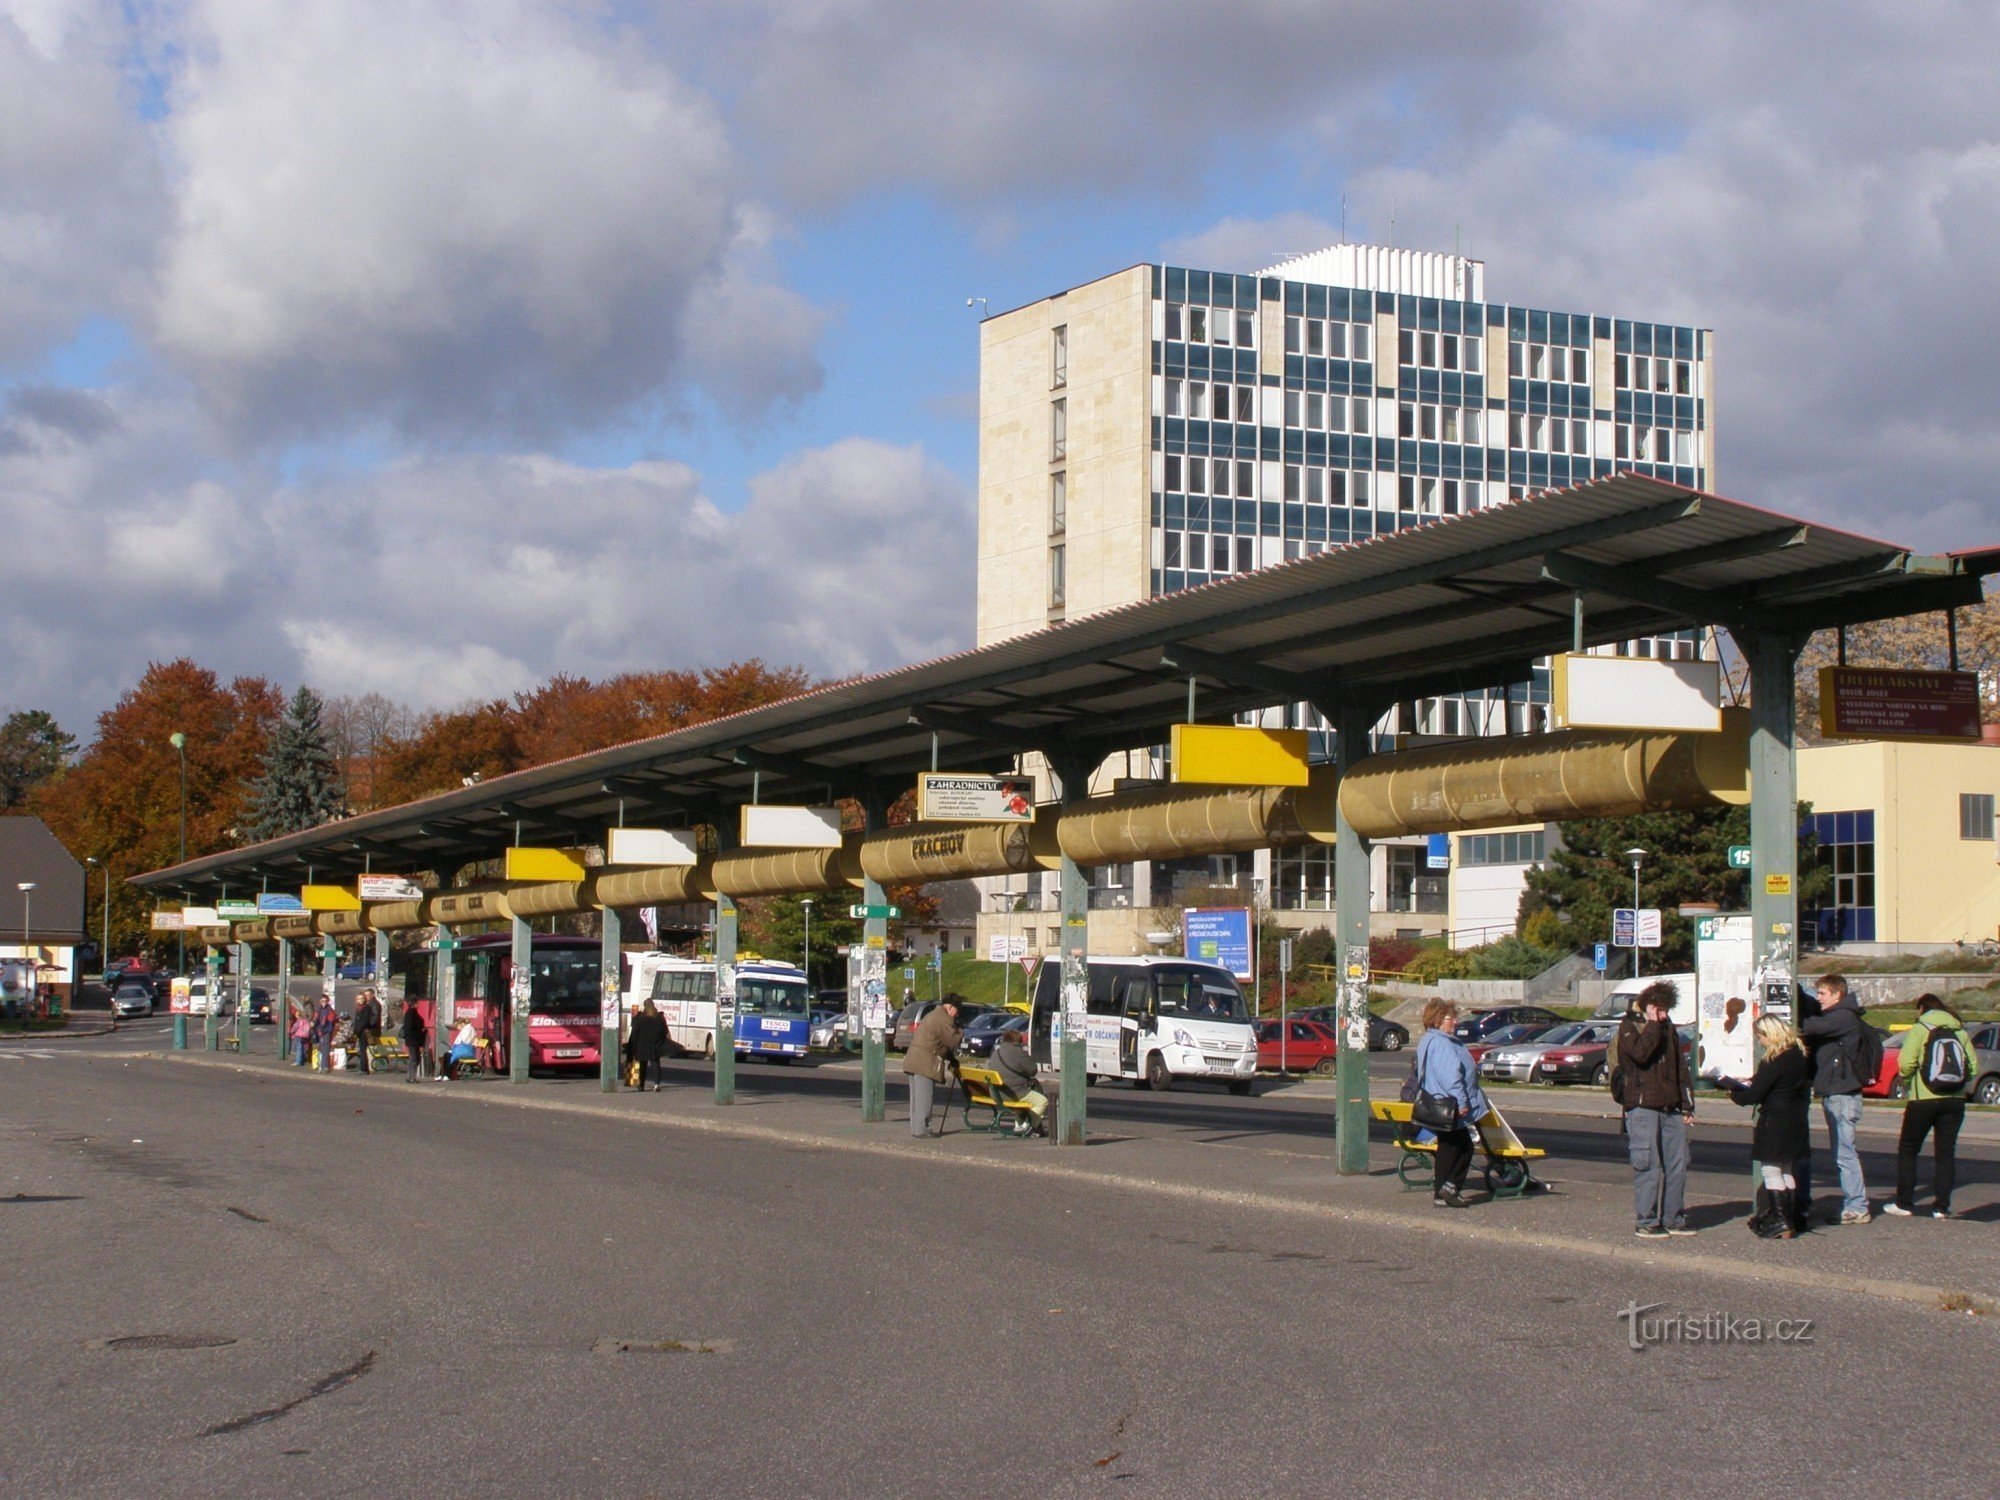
(1908, 830)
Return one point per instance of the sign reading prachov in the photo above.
(949, 797)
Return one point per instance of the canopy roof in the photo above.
(1462, 603)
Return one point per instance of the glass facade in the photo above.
(1847, 848)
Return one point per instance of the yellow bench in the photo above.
(985, 1092)
(1507, 1156)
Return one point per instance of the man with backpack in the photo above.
(1846, 1055)
(1937, 1063)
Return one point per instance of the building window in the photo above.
(1975, 816)
(1846, 843)
(1302, 878)
(1503, 848)
(1059, 355)
(1058, 430)
(1058, 590)
(1058, 504)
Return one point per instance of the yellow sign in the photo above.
(1777, 885)
(1231, 755)
(329, 898)
(544, 864)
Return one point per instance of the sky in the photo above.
(432, 347)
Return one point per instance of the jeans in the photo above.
(416, 1051)
(1657, 1142)
(1452, 1160)
(1920, 1116)
(363, 1040)
(304, 1044)
(920, 1104)
(1843, 1113)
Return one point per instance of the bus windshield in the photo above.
(1197, 994)
(565, 983)
(771, 997)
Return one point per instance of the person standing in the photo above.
(1834, 1044)
(1781, 1089)
(1444, 1068)
(647, 1044)
(302, 1034)
(326, 1021)
(416, 1039)
(924, 1064)
(1937, 1063)
(1652, 1085)
(367, 1027)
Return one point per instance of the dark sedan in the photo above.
(983, 1032)
(1478, 1027)
(1384, 1035)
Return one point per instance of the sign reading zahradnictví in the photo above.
(953, 797)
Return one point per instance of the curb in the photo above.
(1922, 1294)
(36, 1038)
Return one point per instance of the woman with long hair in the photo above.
(1936, 1067)
(1781, 1090)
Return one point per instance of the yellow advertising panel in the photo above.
(544, 864)
(329, 898)
(1231, 755)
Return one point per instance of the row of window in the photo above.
(1640, 373)
(1440, 351)
(1317, 413)
(1207, 552)
(1328, 338)
(1502, 848)
(1655, 445)
(1442, 424)
(1191, 475)
(1552, 362)
(1206, 325)
(1202, 401)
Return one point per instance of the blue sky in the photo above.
(431, 347)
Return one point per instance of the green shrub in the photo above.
(1434, 963)
(1513, 958)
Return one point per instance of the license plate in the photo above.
(569, 1052)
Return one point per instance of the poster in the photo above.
(1218, 935)
(956, 798)
(1725, 990)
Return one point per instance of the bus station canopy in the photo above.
(1459, 604)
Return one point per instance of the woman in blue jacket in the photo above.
(1443, 1066)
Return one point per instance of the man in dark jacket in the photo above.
(925, 1063)
(647, 1044)
(1020, 1078)
(1833, 1038)
(367, 1027)
(1658, 1098)
(416, 1037)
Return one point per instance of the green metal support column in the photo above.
(517, 1000)
(611, 1019)
(1073, 1066)
(281, 1004)
(243, 1000)
(382, 971)
(1774, 808)
(725, 1000)
(874, 988)
(444, 1003)
(211, 1024)
(1350, 930)
(329, 969)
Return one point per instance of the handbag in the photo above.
(1435, 1112)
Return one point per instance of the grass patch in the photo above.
(18, 1024)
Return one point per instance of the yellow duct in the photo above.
(554, 898)
(396, 916)
(462, 908)
(656, 885)
(216, 936)
(253, 931)
(918, 852)
(294, 927)
(782, 872)
(339, 923)
(1581, 773)
(1181, 822)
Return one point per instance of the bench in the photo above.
(985, 1093)
(1507, 1156)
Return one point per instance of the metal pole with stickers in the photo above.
(725, 1000)
(518, 991)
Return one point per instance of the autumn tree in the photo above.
(299, 786)
(33, 748)
(362, 732)
(476, 742)
(121, 801)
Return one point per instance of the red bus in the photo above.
(565, 990)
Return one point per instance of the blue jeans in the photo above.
(1657, 1143)
(1843, 1113)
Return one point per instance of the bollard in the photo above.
(180, 1033)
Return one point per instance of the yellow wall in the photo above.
(1931, 886)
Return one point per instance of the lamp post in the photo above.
(27, 889)
(1638, 857)
(807, 903)
(104, 942)
(179, 742)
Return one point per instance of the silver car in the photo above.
(133, 1000)
(1515, 1063)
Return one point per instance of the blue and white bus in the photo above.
(772, 1011)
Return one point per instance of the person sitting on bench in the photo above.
(1020, 1080)
(464, 1048)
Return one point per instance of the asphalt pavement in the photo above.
(235, 1276)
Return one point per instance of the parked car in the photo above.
(124, 970)
(133, 1000)
(1520, 1031)
(1614, 1005)
(1590, 1062)
(362, 969)
(1384, 1035)
(829, 1032)
(1984, 1087)
(260, 1005)
(983, 1031)
(1300, 1046)
(905, 1029)
(1482, 1024)
(1515, 1063)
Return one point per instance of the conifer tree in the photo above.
(300, 784)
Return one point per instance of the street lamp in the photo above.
(179, 742)
(807, 903)
(27, 890)
(1638, 857)
(104, 943)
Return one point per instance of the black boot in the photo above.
(1761, 1209)
(1790, 1220)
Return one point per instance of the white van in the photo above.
(1155, 1021)
(1614, 1005)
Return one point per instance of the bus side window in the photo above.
(1047, 980)
(1101, 1002)
(1132, 995)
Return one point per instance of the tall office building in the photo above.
(1161, 428)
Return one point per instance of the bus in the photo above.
(1155, 1021)
(773, 1017)
(565, 987)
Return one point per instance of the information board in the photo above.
(1218, 935)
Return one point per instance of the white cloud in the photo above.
(462, 217)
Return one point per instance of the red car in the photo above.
(1304, 1047)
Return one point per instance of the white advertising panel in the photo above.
(1725, 963)
(649, 846)
(198, 916)
(166, 921)
(768, 825)
(954, 797)
(1635, 692)
(388, 888)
